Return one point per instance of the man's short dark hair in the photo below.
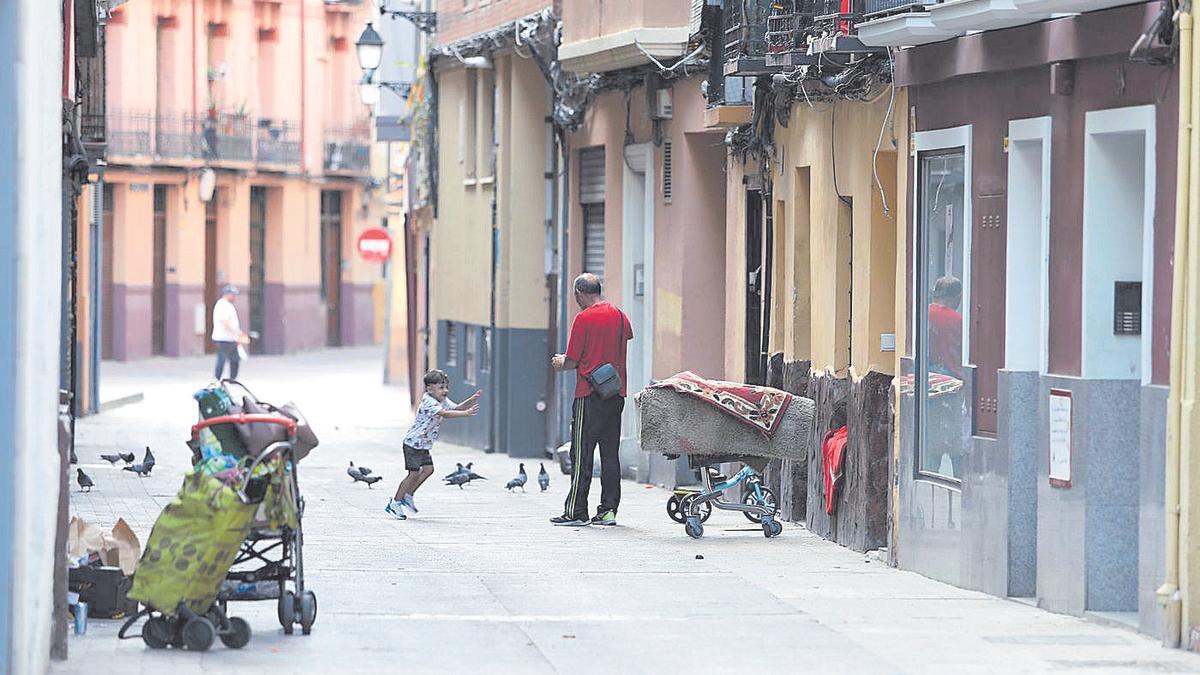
(436, 376)
(947, 287)
(587, 284)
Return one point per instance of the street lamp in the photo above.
(369, 48)
(368, 91)
(370, 54)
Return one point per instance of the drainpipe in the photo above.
(1178, 435)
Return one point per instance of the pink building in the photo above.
(259, 98)
(648, 195)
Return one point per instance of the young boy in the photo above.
(435, 406)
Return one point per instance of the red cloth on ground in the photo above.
(833, 451)
(760, 407)
(594, 342)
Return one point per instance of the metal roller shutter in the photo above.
(591, 196)
(591, 175)
(593, 239)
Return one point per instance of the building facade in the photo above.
(489, 295)
(647, 195)
(239, 154)
(1037, 305)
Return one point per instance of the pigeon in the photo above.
(459, 469)
(359, 474)
(149, 458)
(84, 480)
(111, 459)
(471, 475)
(126, 457)
(543, 477)
(518, 482)
(459, 480)
(142, 469)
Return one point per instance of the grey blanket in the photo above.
(677, 424)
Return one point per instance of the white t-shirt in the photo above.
(225, 313)
(424, 429)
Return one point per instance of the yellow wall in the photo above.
(522, 295)
(461, 241)
(834, 278)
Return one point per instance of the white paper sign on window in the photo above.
(1060, 438)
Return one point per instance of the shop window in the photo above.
(943, 276)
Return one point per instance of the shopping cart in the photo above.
(215, 517)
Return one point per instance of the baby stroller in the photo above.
(692, 506)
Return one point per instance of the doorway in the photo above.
(637, 273)
(210, 271)
(331, 265)
(159, 289)
(755, 373)
(258, 274)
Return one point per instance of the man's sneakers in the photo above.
(607, 518)
(568, 521)
(394, 508)
(409, 504)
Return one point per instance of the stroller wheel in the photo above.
(308, 611)
(156, 633)
(771, 527)
(685, 507)
(768, 502)
(694, 527)
(238, 635)
(198, 634)
(673, 509)
(287, 611)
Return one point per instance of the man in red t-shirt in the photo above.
(945, 328)
(599, 335)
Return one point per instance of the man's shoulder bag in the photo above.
(604, 379)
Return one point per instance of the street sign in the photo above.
(375, 244)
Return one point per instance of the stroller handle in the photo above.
(244, 418)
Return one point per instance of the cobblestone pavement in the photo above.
(480, 582)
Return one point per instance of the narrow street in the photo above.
(480, 582)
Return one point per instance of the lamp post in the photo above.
(369, 49)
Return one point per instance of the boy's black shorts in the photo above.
(414, 459)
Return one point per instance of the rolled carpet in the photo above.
(673, 423)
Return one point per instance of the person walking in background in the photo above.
(598, 338)
(227, 332)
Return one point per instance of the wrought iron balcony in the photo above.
(746, 37)
(277, 142)
(212, 138)
(348, 149)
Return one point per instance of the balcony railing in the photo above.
(213, 137)
(277, 142)
(348, 149)
(746, 36)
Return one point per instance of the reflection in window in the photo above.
(943, 417)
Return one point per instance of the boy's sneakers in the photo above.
(393, 508)
(568, 521)
(607, 518)
(408, 503)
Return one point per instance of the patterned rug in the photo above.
(759, 407)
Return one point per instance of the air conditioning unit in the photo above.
(664, 107)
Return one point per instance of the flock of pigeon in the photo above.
(460, 476)
(142, 469)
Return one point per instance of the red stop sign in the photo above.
(375, 244)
